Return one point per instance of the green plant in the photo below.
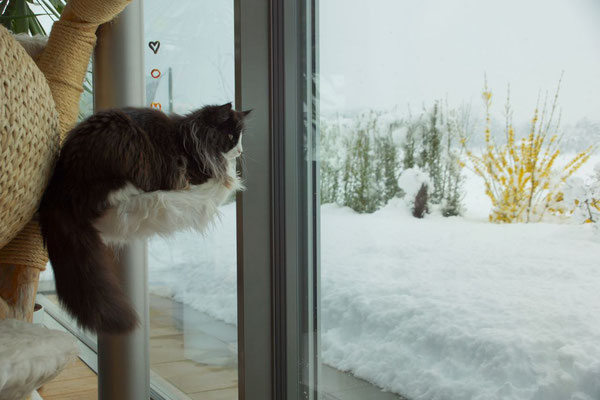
(330, 161)
(19, 16)
(452, 178)
(432, 145)
(359, 174)
(409, 146)
(430, 159)
(386, 160)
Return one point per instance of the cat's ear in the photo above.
(221, 114)
(225, 107)
(245, 113)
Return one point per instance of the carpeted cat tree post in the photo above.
(38, 105)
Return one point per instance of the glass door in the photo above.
(189, 59)
(459, 199)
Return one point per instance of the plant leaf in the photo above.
(21, 25)
(34, 25)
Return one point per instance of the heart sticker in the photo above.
(154, 46)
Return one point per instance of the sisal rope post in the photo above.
(64, 64)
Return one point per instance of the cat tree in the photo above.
(38, 106)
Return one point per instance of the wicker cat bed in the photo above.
(29, 136)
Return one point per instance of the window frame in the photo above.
(278, 228)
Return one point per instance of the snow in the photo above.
(447, 308)
(199, 270)
(436, 308)
(411, 180)
(439, 308)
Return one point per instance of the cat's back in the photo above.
(148, 119)
(110, 130)
(120, 121)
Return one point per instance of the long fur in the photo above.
(127, 174)
(195, 142)
(86, 286)
(137, 214)
(31, 355)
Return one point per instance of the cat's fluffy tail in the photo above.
(82, 264)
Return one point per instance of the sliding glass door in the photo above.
(459, 199)
(421, 212)
(189, 63)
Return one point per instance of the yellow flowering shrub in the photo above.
(521, 176)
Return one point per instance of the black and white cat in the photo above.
(132, 173)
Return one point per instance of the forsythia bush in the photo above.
(521, 176)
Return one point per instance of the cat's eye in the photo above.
(230, 136)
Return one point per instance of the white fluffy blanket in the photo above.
(31, 355)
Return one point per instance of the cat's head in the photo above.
(223, 127)
(228, 126)
(215, 133)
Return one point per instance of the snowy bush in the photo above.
(583, 197)
(431, 144)
(359, 162)
(415, 184)
(361, 159)
(330, 161)
(359, 175)
(520, 176)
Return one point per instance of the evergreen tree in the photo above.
(330, 160)
(409, 146)
(362, 198)
(431, 154)
(388, 164)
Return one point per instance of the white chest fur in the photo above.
(136, 214)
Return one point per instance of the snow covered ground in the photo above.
(447, 308)
(439, 308)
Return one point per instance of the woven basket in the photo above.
(29, 136)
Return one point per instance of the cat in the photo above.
(129, 173)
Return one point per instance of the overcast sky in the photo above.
(381, 54)
(386, 53)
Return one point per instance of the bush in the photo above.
(583, 197)
(432, 144)
(360, 174)
(359, 162)
(361, 159)
(520, 176)
(330, 161)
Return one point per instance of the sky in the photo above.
(400, 54)
(382, 54)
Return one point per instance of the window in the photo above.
(368, 259)
(489, 294)
(192, 276)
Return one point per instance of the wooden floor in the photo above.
(76, 382)
(194, 357)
